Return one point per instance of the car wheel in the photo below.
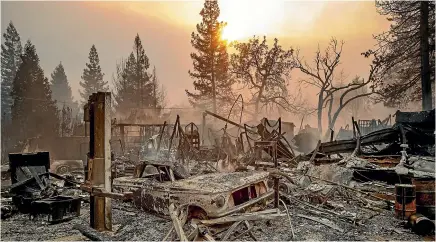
(197, 212)
(62, 169)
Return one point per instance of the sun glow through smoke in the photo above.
(246, 18)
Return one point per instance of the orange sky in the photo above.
(65, 31)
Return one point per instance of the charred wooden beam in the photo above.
(99, 164)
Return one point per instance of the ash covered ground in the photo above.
(134, 225)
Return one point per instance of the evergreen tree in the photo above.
(211, 62)
(133, 83)
(61, 90)
(34, 113)
(92, 76)
(10, 59)
(159, 94)
(66, 121)
(399, 49)
(11, 51)
(141, 75)
(125, 85)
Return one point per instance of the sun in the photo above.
(232, 33)
(246, 18)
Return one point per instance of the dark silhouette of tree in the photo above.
(92, 76)
(399, 49)
(141, 76)
(61, 90)
(133, 83)
(10, 59)
(159, 93)
(124, 85)
(265, 71)
(11, 51)
(66, 121)
(34, 113)
(325, 77)
(211, 61)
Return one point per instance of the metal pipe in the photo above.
(229, 121)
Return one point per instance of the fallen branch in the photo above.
(91, 233)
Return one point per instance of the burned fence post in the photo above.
(99, 163)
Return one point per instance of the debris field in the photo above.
(248, 183)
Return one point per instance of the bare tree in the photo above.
(265, 71)
(360, 106)
(324, 76)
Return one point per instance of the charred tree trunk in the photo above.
(256, 106)
(425, 62)
(320, 104)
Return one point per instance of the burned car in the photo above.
(207, 196)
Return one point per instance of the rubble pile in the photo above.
(256, 184)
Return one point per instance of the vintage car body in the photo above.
(209, 195)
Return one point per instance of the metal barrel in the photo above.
(425, 197)
(405, 201)
(421, 224)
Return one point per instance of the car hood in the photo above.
(210, 183)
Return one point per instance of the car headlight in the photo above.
(219, 201)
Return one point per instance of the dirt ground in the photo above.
(134, 225)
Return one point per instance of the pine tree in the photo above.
(92, 76)
(61, 90)
(11, 51)
(400, 50)
(34, 113)
(66, 121)
(10, 59)
(211, 62)
(125, 85)
(141, 75)
(133, 84)
(159, 94)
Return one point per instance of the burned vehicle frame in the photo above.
(206, 196)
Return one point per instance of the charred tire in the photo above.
(63, 169)
(196, 212)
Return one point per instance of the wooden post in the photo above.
(99, 165)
